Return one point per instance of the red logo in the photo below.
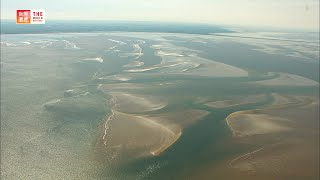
(23, 17)
(30, 16)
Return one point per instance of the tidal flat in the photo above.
(158, 106)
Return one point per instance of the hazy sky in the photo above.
(278, 13)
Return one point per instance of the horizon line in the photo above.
(249, 27)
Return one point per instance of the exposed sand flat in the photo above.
(280, 160)
(285, 79)
(145, 135)
(182, 118)
(133, 64)
(284, 160)
(217, 69)
(304, 116)
(237, 101)
(121, 86)
(125, 86)
(8, 44)
(251, 122)
(194, 65)
(288, 148)
(248, 124)
(137, 52)
(118, 42)
(46, 44)
(183, 61)
(288, 133)
(139, 135)
(166, 49)
(52, 102)
(97, 59)
(285, 101)
(190, 63)
(160, 66)
(281, 99)
(118, 77)
(70, 45)
(137, 102)
(162, 53)
(28, 43)
(314, 102)
(211, 68)
(15, 43)
(176, 121)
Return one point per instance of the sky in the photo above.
(295, 14)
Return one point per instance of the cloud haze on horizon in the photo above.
(296, 14)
